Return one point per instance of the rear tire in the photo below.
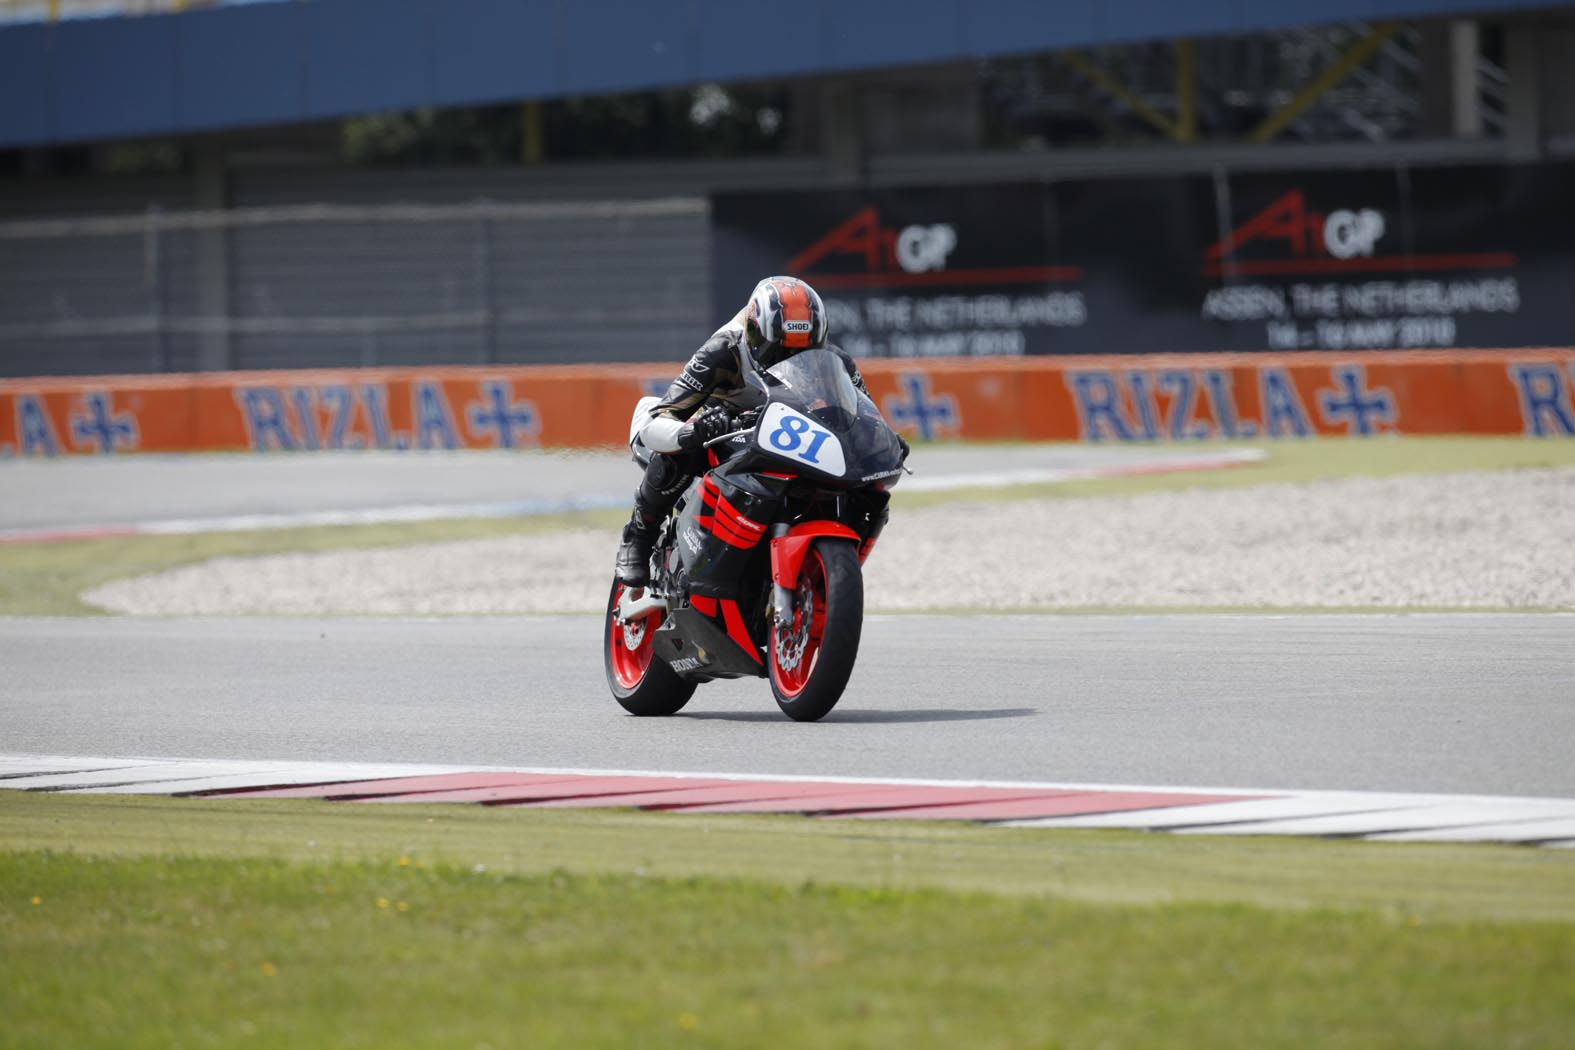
(641, 683)
(810, 662)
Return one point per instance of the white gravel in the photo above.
(1498, 540)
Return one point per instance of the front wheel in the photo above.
(812, 658)
(643, 684)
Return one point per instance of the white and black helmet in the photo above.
(784, 316)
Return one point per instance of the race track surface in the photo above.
(1424, 703)
(83, 491)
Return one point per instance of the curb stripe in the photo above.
(1388, 817)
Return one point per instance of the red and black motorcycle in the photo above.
(758, 571)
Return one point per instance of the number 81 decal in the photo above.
(796, 436)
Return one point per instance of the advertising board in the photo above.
(1391, 258)
(958, 272)
(1178, 397)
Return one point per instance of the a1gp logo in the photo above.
(916, 248)
(1348, 234)
(924, 248)
(1290, 226)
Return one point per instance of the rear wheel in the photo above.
(811, 658)
(643, 684)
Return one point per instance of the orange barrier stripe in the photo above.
(1175, 397)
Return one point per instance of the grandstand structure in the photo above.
(197, 185)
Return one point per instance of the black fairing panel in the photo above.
(696, 646)
(717, 567)
(816, 384)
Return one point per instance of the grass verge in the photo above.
(154, 922)
(46, 579)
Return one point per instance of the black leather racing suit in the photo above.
(713, 376)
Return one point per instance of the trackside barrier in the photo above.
(1172, 398)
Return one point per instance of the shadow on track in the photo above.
(856, 716)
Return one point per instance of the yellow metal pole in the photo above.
(54, 10)
(1360, 52)
(1091, 70)
(533, 145)
(1186, 92)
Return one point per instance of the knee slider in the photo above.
(663, 480)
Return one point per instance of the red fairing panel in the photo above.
(736, 629)
(725, 522)
(787, 552)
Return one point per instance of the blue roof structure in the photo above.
(251, 64)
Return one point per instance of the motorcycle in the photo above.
(757, 572)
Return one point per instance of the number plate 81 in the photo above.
(796, 436)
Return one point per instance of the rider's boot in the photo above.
(634, 557)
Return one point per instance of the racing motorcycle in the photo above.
(757, 571)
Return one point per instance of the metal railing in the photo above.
(1131, 90)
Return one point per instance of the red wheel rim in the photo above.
(793, 653)
(630, 645)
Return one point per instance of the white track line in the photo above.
(1436, 816)
(1250, 812)
(166, 776)
(317, 518)
(1043, 476)
(1560, 831)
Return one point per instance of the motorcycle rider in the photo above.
(782, 317)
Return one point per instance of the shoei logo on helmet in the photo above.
(798, 326)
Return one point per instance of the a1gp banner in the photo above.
(1398, 258)
(973, 272)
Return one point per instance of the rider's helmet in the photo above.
(784, 316)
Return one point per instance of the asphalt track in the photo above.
(80, 491)
(1457, 703)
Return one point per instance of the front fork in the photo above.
(781, 594)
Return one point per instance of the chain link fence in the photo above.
(334, 285)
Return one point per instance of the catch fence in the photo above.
(337, 285)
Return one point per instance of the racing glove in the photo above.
(707, 426)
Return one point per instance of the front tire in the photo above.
(641, 683)
(811, 659)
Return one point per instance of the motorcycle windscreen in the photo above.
(815, 384)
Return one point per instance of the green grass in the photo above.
(189, 923)
(46, 579)
(1434, 881)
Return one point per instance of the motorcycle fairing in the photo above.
(815, 386)
(708, 639)
(720, 529)
(788, 434)
(787, 552)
